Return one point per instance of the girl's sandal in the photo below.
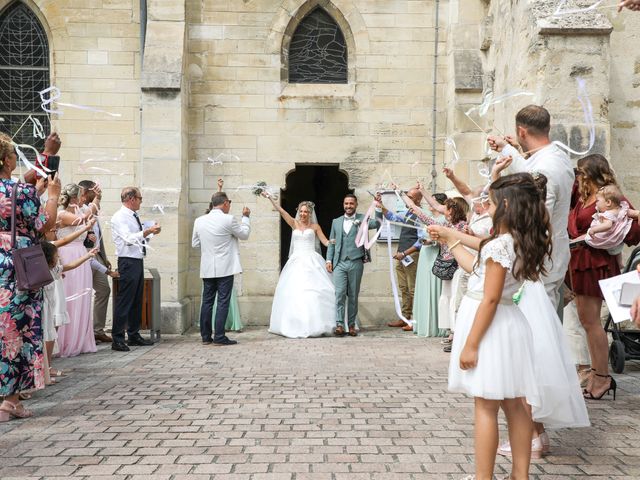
(25, 396)
(56, 373)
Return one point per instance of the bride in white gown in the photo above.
(304, 302)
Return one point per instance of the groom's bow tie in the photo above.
(353, 217)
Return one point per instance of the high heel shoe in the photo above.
(612, 386)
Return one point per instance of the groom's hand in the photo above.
(329, 267)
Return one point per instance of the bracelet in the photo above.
(454, 245)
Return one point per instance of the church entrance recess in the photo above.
(325, 185)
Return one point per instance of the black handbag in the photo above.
(29, 264)
(444, 269)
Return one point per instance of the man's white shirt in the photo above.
(555, 164)
(126, 234)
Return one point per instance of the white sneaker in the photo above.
(469, 477)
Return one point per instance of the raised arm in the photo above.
(430, 200)
(459, 185)
(61, 242)
(318, 229)
(283, 213)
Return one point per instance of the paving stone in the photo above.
(277, 409)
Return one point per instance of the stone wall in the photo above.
(95, 61)
(376, 127)
(624, 102)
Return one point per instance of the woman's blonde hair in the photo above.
(6, 147)
(70, 191)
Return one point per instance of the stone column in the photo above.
(164, 155)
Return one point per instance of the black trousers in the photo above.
(222, 287)
(128, 303)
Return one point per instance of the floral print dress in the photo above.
(21, 359)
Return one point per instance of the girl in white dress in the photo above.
(492, 355)
(304, 301)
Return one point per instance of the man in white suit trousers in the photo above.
(217, 234)
(533, 124)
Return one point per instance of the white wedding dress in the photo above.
(304, 304)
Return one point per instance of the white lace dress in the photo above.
(505, 366)
(304, 302)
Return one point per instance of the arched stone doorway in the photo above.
(325, 185)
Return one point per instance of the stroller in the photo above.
(626, 343)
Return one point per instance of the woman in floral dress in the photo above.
(21, 358)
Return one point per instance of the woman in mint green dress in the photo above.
(428, 287)
(233, 324)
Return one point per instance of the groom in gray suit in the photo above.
(346, 261)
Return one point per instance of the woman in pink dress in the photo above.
(77, 336)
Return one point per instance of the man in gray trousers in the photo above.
(100, 266)
(346, 261)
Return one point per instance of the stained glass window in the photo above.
(318, 51)
(24, 71)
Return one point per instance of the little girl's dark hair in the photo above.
(521, 211)
(49, 250)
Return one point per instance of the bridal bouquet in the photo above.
(261, 187)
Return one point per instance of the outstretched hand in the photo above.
(633, 5)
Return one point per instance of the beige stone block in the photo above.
(121, 58)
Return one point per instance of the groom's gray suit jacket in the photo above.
(345, 244)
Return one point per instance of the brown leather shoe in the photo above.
(408, 328)
(103, 337)
(339, 331)
(352, 331)
(397, 324)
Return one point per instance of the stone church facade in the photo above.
(208, 88)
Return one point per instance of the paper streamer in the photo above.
(158, 208)
(362, 237)
(454, 150)
(223, 157)
(587, 110)
(40, 171)
(54, 94)
(76, 296)
(595, 6)
(392, 276)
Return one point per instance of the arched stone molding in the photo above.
(345, 14)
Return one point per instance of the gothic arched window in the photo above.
(318, 51)
(24, 71)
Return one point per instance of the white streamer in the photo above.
(587, 110)
(223, 157)
(26, 161)
(454, 150)
(159, 208)
(392, 275)
(596, 6)
(76, 296)
(54, 95)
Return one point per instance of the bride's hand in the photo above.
(265, 194)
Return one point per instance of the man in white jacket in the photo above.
(217, 234)
(532, 125)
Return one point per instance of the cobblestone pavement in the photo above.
(371, 407)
